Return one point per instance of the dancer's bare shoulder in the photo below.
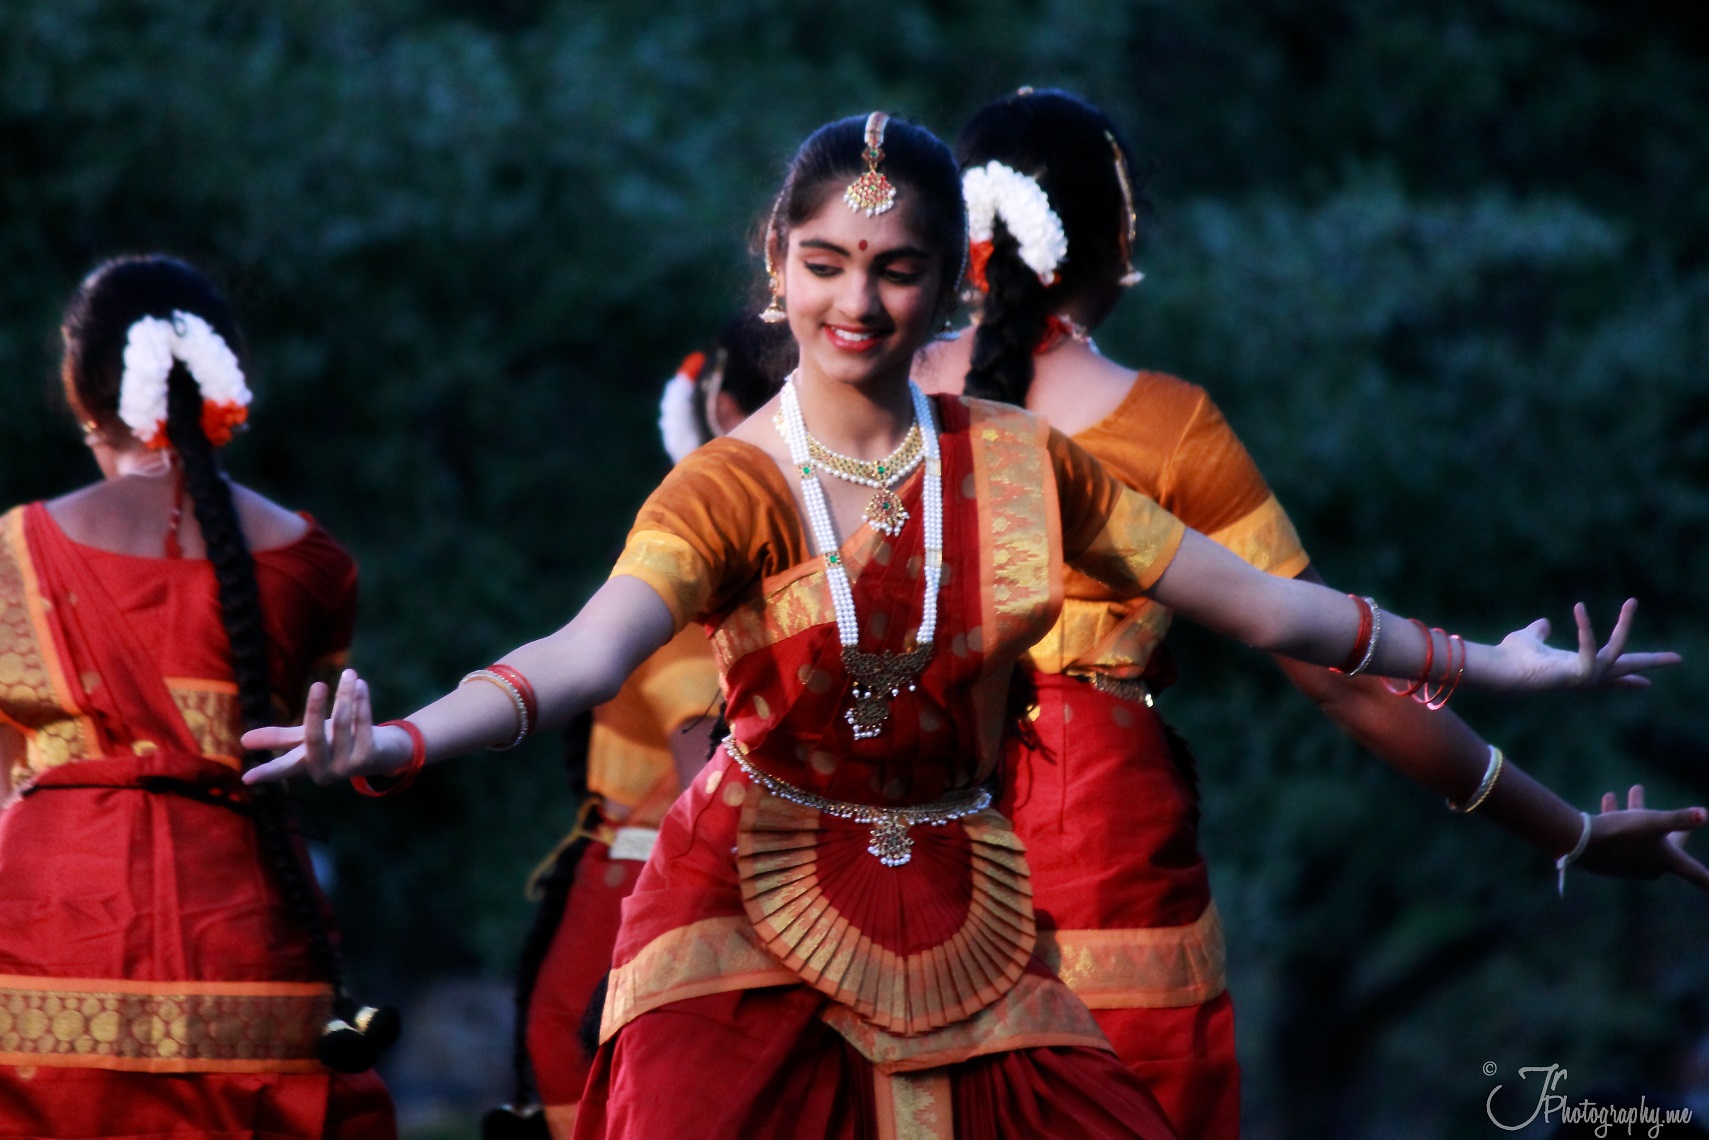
(1074, 387)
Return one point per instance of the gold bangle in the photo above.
(515, 695)
(1491, 775)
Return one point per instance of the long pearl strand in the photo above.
(824, 537)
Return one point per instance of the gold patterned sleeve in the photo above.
(1110, 531)
(714, 526)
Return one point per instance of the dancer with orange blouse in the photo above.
(834, 935)
(166, 965)
(1101, 791)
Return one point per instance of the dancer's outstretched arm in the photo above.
(581, 665)
(1441, 752)
(585, 662)
(1314, 624)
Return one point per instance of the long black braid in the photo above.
(1012, 320)
(240, 613)
(96, 326)
(1070, 148)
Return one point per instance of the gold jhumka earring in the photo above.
(1130, 231)
(773, 313)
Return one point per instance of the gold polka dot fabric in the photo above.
(162, 1027)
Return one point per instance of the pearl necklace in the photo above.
(876, 677)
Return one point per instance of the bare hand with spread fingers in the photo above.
(1639, 843)
(329, 749)
(1535, 665)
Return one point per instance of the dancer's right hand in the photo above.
(329, 749)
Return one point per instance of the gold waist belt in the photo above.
(890, 843)
(1136, 691)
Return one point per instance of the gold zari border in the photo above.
(789, 901)
(210, 711)
(712, 956)
(1266, 538)
(1038, 1012)
(33, 685)
(914, 1106)
(673, 568)
(162, 1027)
(1161, 967)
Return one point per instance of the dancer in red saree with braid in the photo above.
(834, 936)
(155, 976)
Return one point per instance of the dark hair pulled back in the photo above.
(96, 325)
(746, 361)
(1064, 143)
(916, 162)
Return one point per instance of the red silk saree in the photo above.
(1106, 806)
(773, 977)
(151, 979)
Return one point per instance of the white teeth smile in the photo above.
(845, 334)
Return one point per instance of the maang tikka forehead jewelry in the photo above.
(1130, 217)
(872, 194)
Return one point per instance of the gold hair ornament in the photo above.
(1131, 217)
(872, 193)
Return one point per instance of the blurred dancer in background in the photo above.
(169, 963)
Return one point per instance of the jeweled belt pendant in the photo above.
(890, 842)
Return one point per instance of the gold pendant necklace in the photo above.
(884, 510)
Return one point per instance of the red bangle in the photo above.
(1361, 643)
(1446, 689)
(1429, 659)
(405, 776)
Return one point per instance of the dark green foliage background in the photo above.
(1445, 266)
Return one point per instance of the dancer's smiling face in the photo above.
(862, 293)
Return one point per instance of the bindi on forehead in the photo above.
(863, 243)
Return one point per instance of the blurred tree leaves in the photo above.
(1444, 265)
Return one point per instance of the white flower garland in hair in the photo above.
(678, 428)
(151, 345)
(996, 191)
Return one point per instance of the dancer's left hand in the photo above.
(1639, 843)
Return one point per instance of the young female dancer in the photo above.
(165, 960)
(1099, 789)
(834, 935)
